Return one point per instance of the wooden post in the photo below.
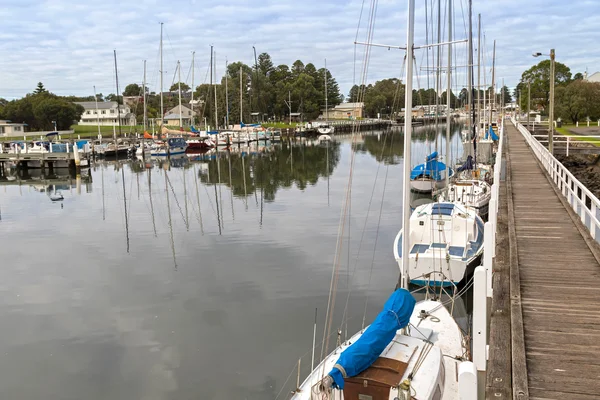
(488, 243)
(480, 318)
(492, 217)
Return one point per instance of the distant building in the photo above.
(172, 116)
(344, 111)
(133, 101)
(595, 77)
(8, 128)
(416, 112)
(106, 114)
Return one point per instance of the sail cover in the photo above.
(468, 165)
(360, 355)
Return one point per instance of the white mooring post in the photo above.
(467, 381)
(488, 242)
(480, 318)
(76, 155)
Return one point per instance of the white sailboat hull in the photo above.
(438, 372)
(426, 185)
(325, 130)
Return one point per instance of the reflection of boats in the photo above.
(200, 143)
(325, 129)
(171, 146)
(429, 175)
(324, 138)
(56, 196)
(445, 241)
(418, 199)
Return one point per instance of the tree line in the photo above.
(574, 99)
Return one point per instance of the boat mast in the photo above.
(144, 98)
(448, 92)
(161, 76)
(484, 91)
(118, 105)
(438, 83)
(211, 75)
(478, 71)
(179, 88)
(470, 73)
(326, 105)
(241, 99)
(226, 95)
(493, 82)
(97, 113)
(407, 143)
(216, 108)
(192, 100)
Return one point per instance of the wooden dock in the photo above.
(545, 315)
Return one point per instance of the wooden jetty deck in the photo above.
(545, 316)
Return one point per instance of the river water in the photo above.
(196, 278)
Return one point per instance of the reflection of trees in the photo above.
(284, 166)
(387, 147)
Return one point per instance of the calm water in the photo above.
(195, 279)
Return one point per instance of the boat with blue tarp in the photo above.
(430, 175)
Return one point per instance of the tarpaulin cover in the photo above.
(468, 165)
(362, 353)
(491, 133)
(432, 169)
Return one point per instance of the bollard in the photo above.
(479, 318)
(577, 124)
(467, 381)
(76, 155)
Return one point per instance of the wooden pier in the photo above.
(545, 313)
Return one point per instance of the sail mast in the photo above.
(162, 109)
(241, 99)
(478, 71)
(118, 105)
(216, 108)
(144, 98)
(407, 143)
(493, 82)
(97, 113)
(326, 105)
(470, 71)
(179, 89)
(437, 72)
(448, 92)
(226, 95)
(192, 100)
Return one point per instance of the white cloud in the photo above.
(68, 45)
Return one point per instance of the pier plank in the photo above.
(557, 317)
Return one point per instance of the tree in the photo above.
(113, 97)
(40, 89)
(175, 87)
(539, 77)
(506, 92)
(133, 89)
(39, 110)
(578, 100)
(578, 76)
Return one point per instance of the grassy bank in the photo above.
(566, 131)
(280, 125)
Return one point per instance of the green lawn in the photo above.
(279, 125)
(565, 130)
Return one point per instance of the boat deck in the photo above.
(546, 290)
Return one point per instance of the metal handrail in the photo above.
(566, 183)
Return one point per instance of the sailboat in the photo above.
(430, 175)
(411, 350)
(325, 129)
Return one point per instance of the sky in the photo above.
(68, 45)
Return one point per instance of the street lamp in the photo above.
(551, 111)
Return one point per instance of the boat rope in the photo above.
(346, 201)
(364, 229)
(175, 196)
(387, 169)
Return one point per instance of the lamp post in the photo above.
(551, 108)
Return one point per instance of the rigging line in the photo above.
(170, 220)
(387, 169)
(355, 40)
(365, 226)
(335, 269)
(175, 196)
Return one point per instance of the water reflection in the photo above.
(211, 262)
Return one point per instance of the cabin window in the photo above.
(419, 248)
(456, 251)
(438, 245)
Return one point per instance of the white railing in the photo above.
(583, 202)
(482, 287)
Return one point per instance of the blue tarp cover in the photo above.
(491, 133)
(193, 129)
(431, 168)
(360, 355)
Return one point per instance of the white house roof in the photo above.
(346, 106)
(102, 105)
(595, 77)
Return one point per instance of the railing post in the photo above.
(592, 223)
(568, 142)
(583, 207)
(488, 245)
(479, 318)
(467, 381)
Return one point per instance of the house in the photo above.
(8, 128)
(595, 77)
(105, 113)
(344, 111)
(417, 112)
(172, 116)
(133, 101)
